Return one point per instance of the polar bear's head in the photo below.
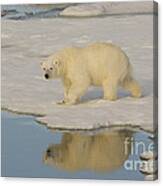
(51, 67)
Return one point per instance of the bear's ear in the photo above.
(57, 62)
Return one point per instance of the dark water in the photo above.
(21, 12)
(31, 150)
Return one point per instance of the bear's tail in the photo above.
(126, 74)
(130, 84)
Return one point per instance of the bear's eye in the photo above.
(51, 68)
(44, 68)
(56, 62)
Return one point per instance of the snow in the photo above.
(26, 43)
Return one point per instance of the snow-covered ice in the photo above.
(108, 8)
(26, 43)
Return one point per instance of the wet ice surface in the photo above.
(31, 150)
(26, 43)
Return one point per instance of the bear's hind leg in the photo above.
(110, 89)
(132, 86)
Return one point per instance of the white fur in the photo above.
(99, 64)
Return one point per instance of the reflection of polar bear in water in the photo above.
(99, 64)
(100, 152)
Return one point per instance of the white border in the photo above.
(69, 182)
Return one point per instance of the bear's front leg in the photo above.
(65, 97)
(62, 102)
(75, 92)
(66, 85)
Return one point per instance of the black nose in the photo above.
(48, 152)
(46, 76)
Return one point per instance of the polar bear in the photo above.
(98, 64)
(101, 152)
